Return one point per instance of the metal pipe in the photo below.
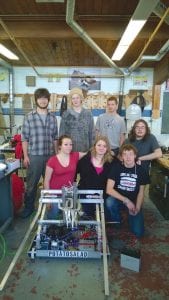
(79, 31)
(159, 10)
(138, 61)
(159, 55)
(83, 34)
(18, 46)
(121, 95)
(5, 64)
(56, 75)
(11, 101)
(61, 75)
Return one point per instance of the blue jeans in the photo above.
(53, 211)
(113, 207)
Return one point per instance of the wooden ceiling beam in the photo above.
(59, 29)
(161, 71)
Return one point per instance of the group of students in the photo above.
(99, 154)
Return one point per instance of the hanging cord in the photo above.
(4, 249)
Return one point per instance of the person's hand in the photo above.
(133, 212)
(112, 153)
(137, 209)
(130, 205)
(138, 162)
(26, 162)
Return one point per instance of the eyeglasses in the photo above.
(140, 127)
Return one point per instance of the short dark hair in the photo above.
(112, 98)
(41, 92)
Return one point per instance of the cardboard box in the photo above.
(130, 259)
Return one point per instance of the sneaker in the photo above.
(26, 212)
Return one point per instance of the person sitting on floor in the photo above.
(61, 169)
(93, 169)
(125, 187)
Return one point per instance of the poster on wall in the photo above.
(140, 80)
(83, 81)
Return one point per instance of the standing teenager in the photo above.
(77, 122)
(112, 125)
(39, 139)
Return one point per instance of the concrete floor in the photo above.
(64, 279)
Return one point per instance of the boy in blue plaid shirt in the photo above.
(39, 139)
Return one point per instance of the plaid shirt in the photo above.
(40, 136)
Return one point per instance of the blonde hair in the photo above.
(74, 91)
(107, 156)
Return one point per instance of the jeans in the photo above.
(35, 170)
(136, 223)
(53, 211)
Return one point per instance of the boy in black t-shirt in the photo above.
(125, 186)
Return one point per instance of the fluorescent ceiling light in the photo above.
(7, 53)
(132, 30)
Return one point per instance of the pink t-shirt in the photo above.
(62, 176)
(99, 170)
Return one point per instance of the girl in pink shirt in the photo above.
(61, 168)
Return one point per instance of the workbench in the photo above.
(6, 203)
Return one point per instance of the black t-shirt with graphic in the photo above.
(128, 180)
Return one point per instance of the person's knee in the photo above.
(109, 202)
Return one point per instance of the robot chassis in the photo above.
(71, 235)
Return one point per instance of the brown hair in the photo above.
(41, 92)
(127, 147)
(132, 133)
(107, 157)
(61, 138)
(112, 98)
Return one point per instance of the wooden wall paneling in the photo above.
(161, 71)
(156, 101)
(165, 114)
